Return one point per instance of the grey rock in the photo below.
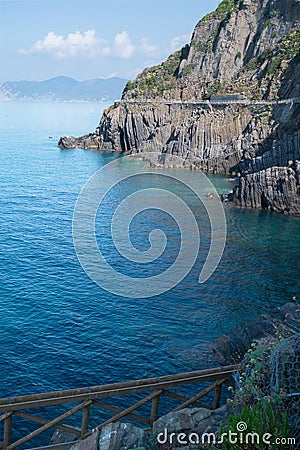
(185, 420)
(189, 423)
(231, 347)
(67, 142)
(91, 443)
(260, 144)
(61, 437)
(122, 436)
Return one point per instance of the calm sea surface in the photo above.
(59, 329)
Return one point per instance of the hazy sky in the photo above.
(40, 39)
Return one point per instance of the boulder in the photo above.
(183, 427)
(231, 347)
(91, 443)
(185, 420)
(122, 436)
(67, 142)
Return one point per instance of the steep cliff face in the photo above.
(245, 49)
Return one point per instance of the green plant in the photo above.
(129, 86)
(252, 64)
(274, 66)
(267, 23)
(290, 45)
(188, 69)
(226, 6)
(263, 417)
(172, 63)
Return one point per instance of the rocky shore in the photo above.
(275, 336)
(245, 49)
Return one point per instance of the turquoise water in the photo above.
(59, 329)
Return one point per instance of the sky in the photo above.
(41, 39)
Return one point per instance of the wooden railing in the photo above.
(92, 397)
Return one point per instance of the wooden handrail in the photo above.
(107, 387)
(111, 390)
(87, 397)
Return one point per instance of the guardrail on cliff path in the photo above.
(246, 102)
(88, 398)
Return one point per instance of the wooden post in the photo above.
(50, 424)
(217, 397)
(7, 431)
(154, 410)
(85, 420)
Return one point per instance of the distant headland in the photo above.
(64, 89)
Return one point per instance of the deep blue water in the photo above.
(59, 329)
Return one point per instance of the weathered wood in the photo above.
(114, 409)
(154, 410)
(218, 393)
(7, 431)
(196, 397)
(5, 416)
(85, 420)
(87, 396)
(198, 378)
(65, 445)
(130, 409)
(183, 398)
(47, 426)
(43, 421)
(76, 393)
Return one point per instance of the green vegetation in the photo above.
(274, 66)
(171, 65)
(253, 64)
(213, 89)
(228, 6)
(188, 69)
(129, 86)
(159, 78)
(290, 45)
(267, 23)
(262, 405)
(156, 80)
(220, 26)
(225, 7)
(201, 47)
(261, 418)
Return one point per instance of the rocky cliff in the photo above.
(246, 49)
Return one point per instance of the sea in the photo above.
(59, 329)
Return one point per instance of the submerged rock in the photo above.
(231, 347)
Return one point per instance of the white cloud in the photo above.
(74, 44)
(122, 47)
(88, 45)
(178, 42)
(146, 48)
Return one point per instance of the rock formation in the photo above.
(246, 49)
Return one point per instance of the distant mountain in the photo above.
(63, 89)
